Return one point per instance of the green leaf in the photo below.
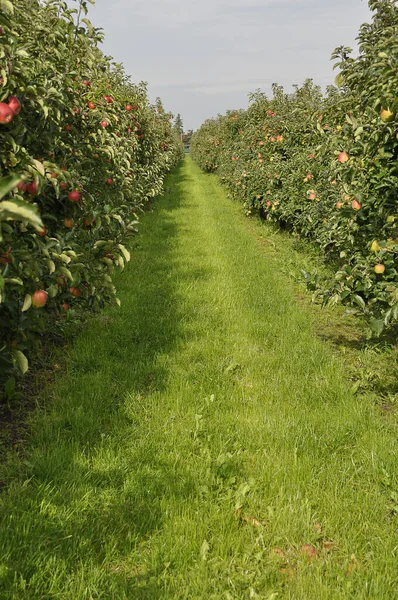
(339, 80)
(7, 6)
(9, 387)
(18, 210)
(125, 252)
(21, 361)
(377, 326)
(360, 301)
(27, 303)
(38, 166)
(8, 183)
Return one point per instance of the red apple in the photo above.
(39, 299)
(87, 83)
(74, 196)
(42, 232)
(129, 107)
(68, 127)
(22, 186)
(104, 123)
(68, 223)
(355, 205)
(109, 181)
(6, 113)
(65, 306)
(14, 104)
(339, 204)
(32, 188)
(75, 292)
(343, 157)
(91, 104)
(63, 185)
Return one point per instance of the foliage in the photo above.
(325, 166)
(82, 152)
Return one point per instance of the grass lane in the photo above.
(204, 443)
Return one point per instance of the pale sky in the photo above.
(204, 57)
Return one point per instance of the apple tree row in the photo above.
(325, 166)
(81, 151)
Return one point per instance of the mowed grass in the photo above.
(203, 442)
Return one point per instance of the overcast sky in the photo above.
(203, 57)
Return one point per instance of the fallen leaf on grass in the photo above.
(309, 551)
(278, 552)
(250, 520)
(353, 566)
(317, 526)
(288, 571)
(328, 545)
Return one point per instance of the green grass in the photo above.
(198, 428)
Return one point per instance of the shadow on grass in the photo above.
(78, 498)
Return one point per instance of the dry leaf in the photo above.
(278, 552)
(309, 551)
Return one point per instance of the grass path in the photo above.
(203, 443)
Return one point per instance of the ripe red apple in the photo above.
(339, 204)
(22, 186)
(91, 104)
(65, 306)
(355, 205)
(109, 181)
(75, 292)
(343, 157)
(6, 113)
(68, 127)
(74, 196)
(14, 104)
(32, 188)
(380, 268)
(129, 107)
(39, 299)
(104, 123)
(68, 223)
(87, 83)
(63, 185)
(312, 196)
